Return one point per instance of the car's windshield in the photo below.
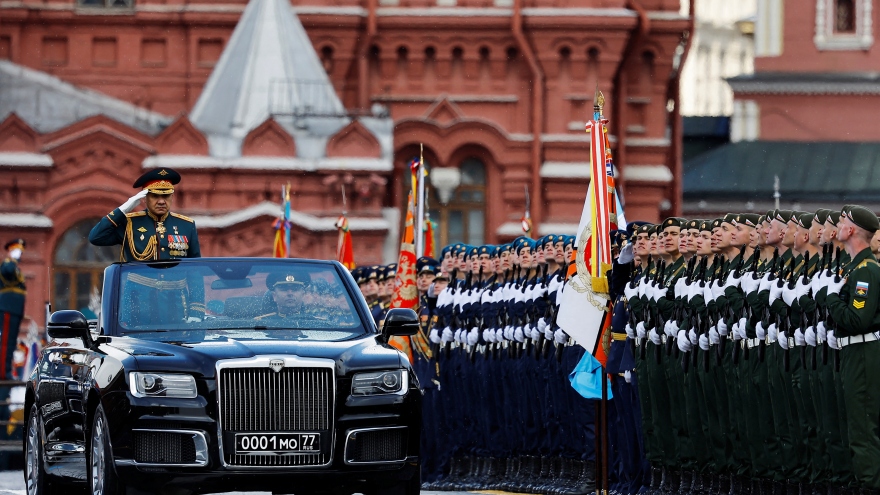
(244, 299)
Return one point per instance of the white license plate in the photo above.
(277, 443)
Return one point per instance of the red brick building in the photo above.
(807, 116)
(497, 91)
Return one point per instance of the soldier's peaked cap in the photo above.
(862, 217)
(15, 242)
(158, 181)
(281, 279)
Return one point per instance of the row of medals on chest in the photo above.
(160, 230)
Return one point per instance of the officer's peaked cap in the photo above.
(158, 181)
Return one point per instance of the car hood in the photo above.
(200, 358)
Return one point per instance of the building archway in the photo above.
(78, 270)
(462, 218)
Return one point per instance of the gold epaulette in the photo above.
(618, 336)
(264, 316)
(136, 214)
(183, 217)
(866, 262)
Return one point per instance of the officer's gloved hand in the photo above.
(799, 338)
(819, 282)
(708, 295)
(704, 342)
(627, 375)
(681, 287)
(499, 335)
(434, 336)
(473, 337)
(193, 319)
(789, 295)
(802, 288)
(736, 331)
(457, 336)
(776, 288)
(548, 333)
(721, 327)
(749, 283)
(714, 336)
(760, 331)
(133, 201)
(654, 336)
(835, 284)
(766, 282)
(832, 340)
(693, 336)
(732, 280)
(684, 344)
(670, 328)
(560, 337)
(772, 331)
(810, 336)
(630, 331)
(447, 335)
(542, 324)
(518, 334)
(489, 335)
(643, 287)
(821, 332)
(15, 253)
(717, 289)
(782, 340)
(630, 292)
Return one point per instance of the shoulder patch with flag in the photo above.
(861, 289)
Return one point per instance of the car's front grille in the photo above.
(379, 445)
(154, 447)
(263, 400)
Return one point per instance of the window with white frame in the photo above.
(844, 25)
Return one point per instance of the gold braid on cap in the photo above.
(149, 252)
(161, 185)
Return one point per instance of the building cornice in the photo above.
(269, 163)
(806, 84)
(304, 220)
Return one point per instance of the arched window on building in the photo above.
(78, 271)
(844, 16)
(463, 217)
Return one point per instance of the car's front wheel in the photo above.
(34, 475)
(102, 472)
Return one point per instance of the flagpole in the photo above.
(420, 213)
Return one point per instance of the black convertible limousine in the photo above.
(219, 374)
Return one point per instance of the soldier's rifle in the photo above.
(837, 275)
(762, 344)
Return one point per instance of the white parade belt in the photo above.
(856, 339)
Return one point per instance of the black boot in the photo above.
(672, 482)
(654, 483)
(686, 483)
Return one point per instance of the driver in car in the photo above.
(287, 291)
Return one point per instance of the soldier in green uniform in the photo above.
(853, 302)
(12, 294)
(155, 233)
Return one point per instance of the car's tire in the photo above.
(101, 469)
(35, 478)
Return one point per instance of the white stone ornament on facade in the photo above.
(445, 180)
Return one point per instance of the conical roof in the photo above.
(268, 68)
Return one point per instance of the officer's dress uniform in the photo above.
(12, 296)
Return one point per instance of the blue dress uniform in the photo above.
(12, 294)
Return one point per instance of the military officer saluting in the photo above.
(155, 233)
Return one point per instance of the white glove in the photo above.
(708, 295)
(643, 287)
(766, 282)
(694, 289)
(435, 336)
(193, 319)
(760, 331)
(560, 337)
(776, 288)
(799, 338)
(548, 333)
(518, 335)
(732, 280)
(630, 331)
(821, 332)
(820, 280)
(630, 292)
(714, 337)
(749, 283)
(448, 336)
(789, 295)
(641, 332)
(660, 292)
(133, 201)
(810, 336)
(782, 340)
(670, 328)
(627, 375)
(457, 336)
(772, 331)
(499, 335)
(693, 337)
(736, 331)
(681, 288)
(654, 336)
(721, 327)
(717, 289)
(835, 284)
(802, 288)
(15, 254)
(473, 337)
(704, 342)
(489, 335)
(832, 340)
(684, 345)
(542, 324)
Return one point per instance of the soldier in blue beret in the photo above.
(155, 233)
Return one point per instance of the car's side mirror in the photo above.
(69, 324)
(400, 321)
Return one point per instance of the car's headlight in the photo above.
(162, 385)
(380, 382)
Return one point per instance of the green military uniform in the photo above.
(145, 237)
